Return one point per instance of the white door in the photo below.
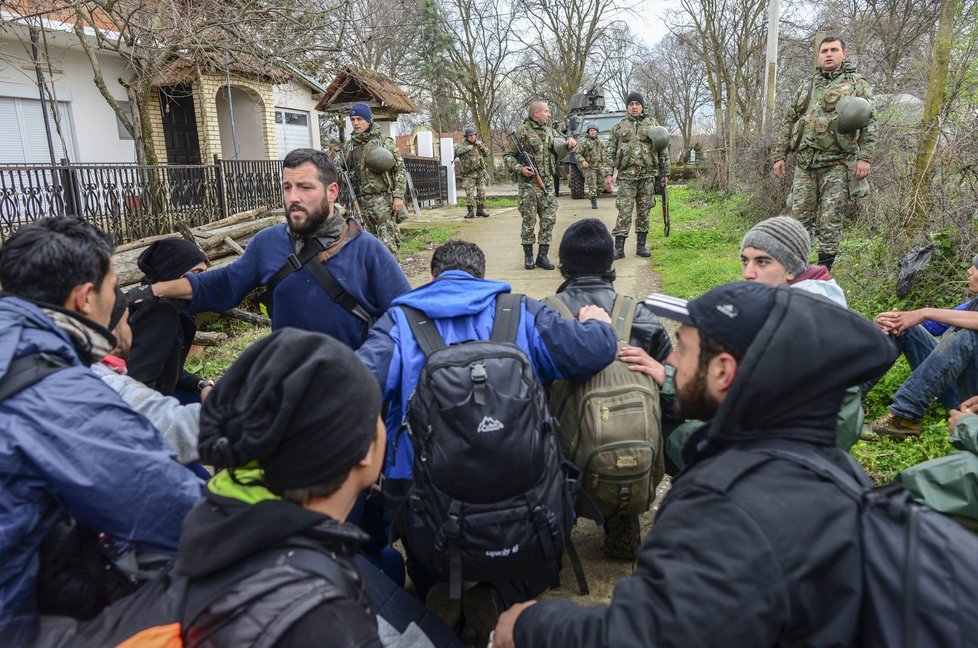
(23, 139)
(291, 130)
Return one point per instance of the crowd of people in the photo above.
(141, 500)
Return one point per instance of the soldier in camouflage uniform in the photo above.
(830, 167)
(631, 152)
(381, 195)
(536, 138)
(593, 162)
(473, 157)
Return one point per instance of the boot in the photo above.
(620, 247)
(594, 202)
(542, 260)
(469, 213)
(826, 260)
(481, 212)
(640, 248)
(528, 257)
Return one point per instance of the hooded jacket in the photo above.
(70, 445)
(767, 555)
(463, 308)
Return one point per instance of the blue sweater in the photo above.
(463, 308)
(363, 267)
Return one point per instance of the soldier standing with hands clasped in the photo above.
(593, 162)
(472, 156)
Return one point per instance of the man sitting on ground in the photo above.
(748, 549)
(69, 446)
(947, 368)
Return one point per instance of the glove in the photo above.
(141, 296)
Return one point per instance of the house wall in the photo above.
(209, 118)
(298, 96)
(94, 126)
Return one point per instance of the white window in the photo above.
(23, 138)
(291, 130)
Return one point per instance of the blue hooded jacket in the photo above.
(69, 444)
(463, 308)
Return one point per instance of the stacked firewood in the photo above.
(222, 241)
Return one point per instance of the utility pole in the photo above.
(771, 65)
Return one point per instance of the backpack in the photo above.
(919, 585)
(492, 498)
(611, 426)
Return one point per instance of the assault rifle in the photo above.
(354, 202)
(661, 190)
(525, 158)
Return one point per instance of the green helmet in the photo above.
(854, 113)
(379, 160)
(590, 126)
(560, 147)
(658, 135)
(469, 130)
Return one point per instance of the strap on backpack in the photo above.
(506, 321)
(424, 330)
(28, 370)
(815, 462)
(453, 527)
(622, 315)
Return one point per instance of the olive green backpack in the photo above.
(611, 426)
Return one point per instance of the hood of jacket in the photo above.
(791, 382)
(26, 329)
(453, 294)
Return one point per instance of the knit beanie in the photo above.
(169, 259)
(586, 248)
(362, 111)
(784, 238)
(121, 304)
(634, 96)
(299, 403)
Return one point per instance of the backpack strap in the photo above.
(847, 482)
(622, 315)
(506, 322)
(558, 305)
(28, 370)
(424, 330)
(293, 263)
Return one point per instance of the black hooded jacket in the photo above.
(747, 549)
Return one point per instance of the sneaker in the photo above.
(442, 606)
(481, 609)
(622, 536)
(895, 426)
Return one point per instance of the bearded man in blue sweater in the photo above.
(290, 260)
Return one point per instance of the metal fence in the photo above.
(130, 201)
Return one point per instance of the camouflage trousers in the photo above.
(378, 219)
(632, 194)
(537, 203)
(593, 181)
(475, 190)
(819, 198)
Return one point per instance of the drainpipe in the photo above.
(227, 75)
(40, 91)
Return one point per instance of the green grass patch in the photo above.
(416, 239)
(703, 248)
(493, 202)
(212, 362)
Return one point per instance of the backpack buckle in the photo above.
(294, 262)
(479, 374)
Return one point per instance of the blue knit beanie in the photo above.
(362, 111)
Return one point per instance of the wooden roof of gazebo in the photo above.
(375, 89)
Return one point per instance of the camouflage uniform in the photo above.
(472, 170)
(631, 152)
(825, 158)
(534, 202)
(592, 150)
(375, 191)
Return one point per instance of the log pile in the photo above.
(222, 241)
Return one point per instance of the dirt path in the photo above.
(499, 238)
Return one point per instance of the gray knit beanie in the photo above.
(784, 238)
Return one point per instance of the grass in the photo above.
(703, 251)
(493, 202)
(212, 362)
(416, 239)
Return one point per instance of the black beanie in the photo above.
(121, 303)
(634, 96)
(301, 404)
(586, 248)
(169, 259)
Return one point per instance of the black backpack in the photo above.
(919, 567)
(492, 497)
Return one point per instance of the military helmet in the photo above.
(469, 130)
(560, 148)
(379, 160)
(590, 126)
(658, 135)
(854, 113)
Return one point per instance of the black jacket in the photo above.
(161, 339)
(647, 330)
(748, 552)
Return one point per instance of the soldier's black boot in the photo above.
(594, 202)
(469, 213)
(640, 248)
(528, 257)
(826, 260)
(542, 260)
(620, 247)
(481, 212)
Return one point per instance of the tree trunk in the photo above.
(930, 126)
